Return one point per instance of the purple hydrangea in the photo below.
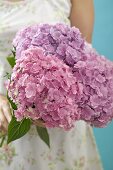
(60, 40)
(96, 75)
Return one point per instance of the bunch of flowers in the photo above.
(93, 72)
(57, 78)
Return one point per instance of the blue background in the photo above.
(103, 42)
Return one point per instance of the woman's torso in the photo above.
(69, 150)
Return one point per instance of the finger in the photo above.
(4, 121)
(7, 112)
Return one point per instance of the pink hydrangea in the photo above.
(44, 87)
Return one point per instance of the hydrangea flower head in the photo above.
(44, 87)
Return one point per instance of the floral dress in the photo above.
(72, 150)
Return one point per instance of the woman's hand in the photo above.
(5, 113)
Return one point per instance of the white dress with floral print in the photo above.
(73, 150)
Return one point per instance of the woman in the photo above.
(71, 150)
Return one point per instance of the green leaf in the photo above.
(11, 60)
(13, 105)
(8, 75)
(17, 129)
(43, 133)
(14, 51)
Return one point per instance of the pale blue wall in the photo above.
(103, 42)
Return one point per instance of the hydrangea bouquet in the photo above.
(57, 78)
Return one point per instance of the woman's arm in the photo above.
(82, 16)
